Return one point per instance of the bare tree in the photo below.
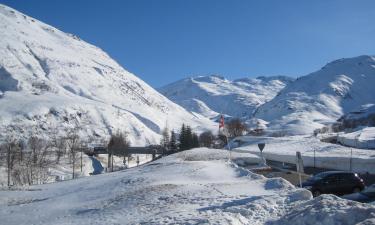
(235, 128)
(72, 141)
(117, 145)
(58, 143)
(165, 140)
(206, 139)
(37, 162)
(9, 147)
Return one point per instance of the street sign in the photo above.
(261, 146)
(299, 164)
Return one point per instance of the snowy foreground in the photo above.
(197, 186)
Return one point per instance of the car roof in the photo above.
(335, 172)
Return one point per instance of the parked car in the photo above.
(365, 196)
(334, 182)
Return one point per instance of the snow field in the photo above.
(185, 188)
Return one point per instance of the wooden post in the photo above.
(109, 162)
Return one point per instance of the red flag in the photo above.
(221, 122)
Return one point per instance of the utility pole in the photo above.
(314, 158)
(81, 159)
(8, 162)
(351, 159)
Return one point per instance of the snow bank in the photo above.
(328, 209)
(207, 154)
(363, 138)
(327, 155)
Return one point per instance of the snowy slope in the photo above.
(211, 95)
(183, 188)
(364, 137)
(51, 79)
(323, 96)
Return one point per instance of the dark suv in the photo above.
(334, 182)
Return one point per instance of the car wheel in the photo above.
(316, 193)
(356, 190)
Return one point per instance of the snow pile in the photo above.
(328, 209)
(53, 80)
(206, 154)
(211, 95)
(327, 155)
(362, 138)
(321, 97)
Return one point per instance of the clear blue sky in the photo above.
(166, 40)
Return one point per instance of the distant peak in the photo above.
(209, 78)
(266, 79)
(355, 61)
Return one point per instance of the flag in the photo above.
(221, 122)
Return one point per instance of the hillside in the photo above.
(322, 97)
(212, 95)
(51, 80)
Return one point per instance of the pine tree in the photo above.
(173, 142)
(188, 137)
(182, 138)
(165, 138)
(195, 140)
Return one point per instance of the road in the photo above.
(96, 165)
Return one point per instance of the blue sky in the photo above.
(163, 41)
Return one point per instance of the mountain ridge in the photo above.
(214, 94)
(322, 97)
(53, 79)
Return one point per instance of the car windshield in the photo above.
(318, 176)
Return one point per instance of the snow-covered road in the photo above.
(327, 155)
(96, 165)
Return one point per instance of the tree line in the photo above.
(188, 139)
(28, 160)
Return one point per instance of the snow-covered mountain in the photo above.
(211, 95)
(322, 97)
(51, 79)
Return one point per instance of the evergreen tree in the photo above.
(206, 139)
(173, 142)
(195, 140)
(188, 137)
(182, 138)
(165, 138)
